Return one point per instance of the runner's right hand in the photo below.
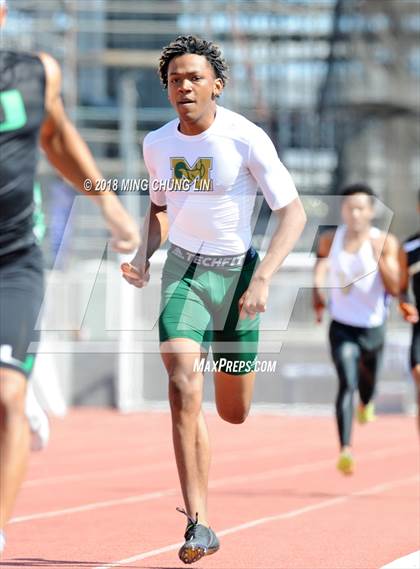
(135, 274)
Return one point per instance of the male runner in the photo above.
(410, 269)
(213, 286)
(362, 263)
(31, 109)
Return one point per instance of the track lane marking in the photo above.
(236, 479)
(411, 561)
(377, 489)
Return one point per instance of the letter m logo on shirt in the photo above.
(198, 174)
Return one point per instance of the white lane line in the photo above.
(95, 506)
(411, 561)
(224, 456)
(237, 479)
(269, 519)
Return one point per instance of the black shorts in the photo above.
(368, 340)
(415, 346)
(21, 295)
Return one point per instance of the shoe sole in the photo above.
(191, 554)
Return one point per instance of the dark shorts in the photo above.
(199, 301)
(415, 346)
(368, 339)
(21, 295)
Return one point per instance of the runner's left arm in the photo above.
(385, 248)
(280, 192)
(290, 223)
(408, 310)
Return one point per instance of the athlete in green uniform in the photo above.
(213, 286)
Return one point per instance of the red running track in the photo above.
(106, 489)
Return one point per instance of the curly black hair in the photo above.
(192, 44)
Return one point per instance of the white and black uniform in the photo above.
(358, 296)
(358, 307)
(221, 170)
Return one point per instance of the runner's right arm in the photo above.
(154, 234)
(320, 274)
(155, 230)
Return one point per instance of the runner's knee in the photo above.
(185, 391)
(346, 359)
(234, 415)
(12, 394)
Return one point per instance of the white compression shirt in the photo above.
(358, 296)
(209, 181)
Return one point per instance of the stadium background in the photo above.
(336, 84)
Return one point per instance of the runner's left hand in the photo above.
(254, 299)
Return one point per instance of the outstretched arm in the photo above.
(69, 154)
